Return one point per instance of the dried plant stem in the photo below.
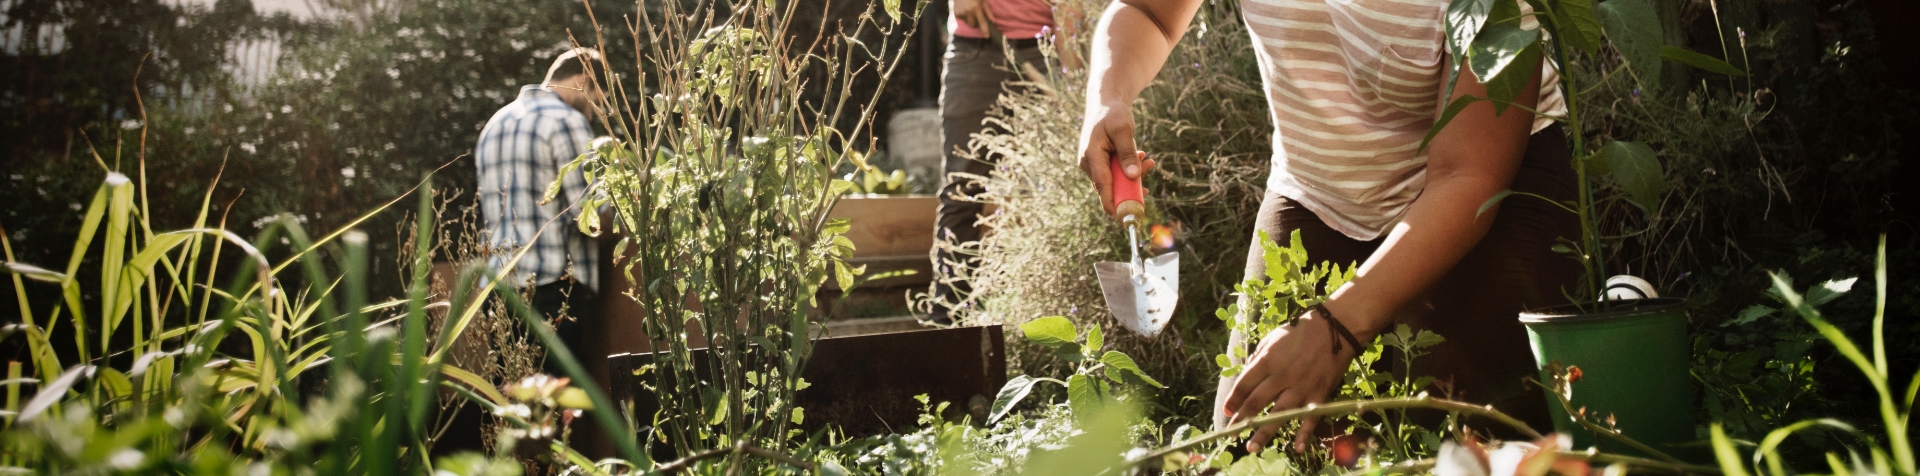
(1340, 408)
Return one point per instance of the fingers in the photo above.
(1307, 425)
(1093, 162)
(1123, 147)
(1256, 400)
(1264, 435)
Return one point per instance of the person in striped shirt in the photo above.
(519, 155)
(1352, 87)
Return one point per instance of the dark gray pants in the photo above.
(975, 78)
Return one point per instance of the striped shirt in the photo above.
(519, 155)
(1353, 86)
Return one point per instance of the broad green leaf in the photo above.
(1491, 201)
(1596, 165)
(1453, 109)
(1010, 395)
(1094, 339)
(1464, 19)
(1513, 80)
(1750, 314)
(1117, 360)
(842, 276)
(1637, 171)
(1574, 22)
(1502, 47)
(893, 9)
(1829, 290)
(1427, 339)
(836, 226)
(1082, 397)
(1707, 63)
(1634, 29)
(1049, 331)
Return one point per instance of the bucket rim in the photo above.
(1566, 313)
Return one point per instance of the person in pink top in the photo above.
(992, 43)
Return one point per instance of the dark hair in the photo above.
(570, 63)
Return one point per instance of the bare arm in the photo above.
(1129, 47)
(1474, 157)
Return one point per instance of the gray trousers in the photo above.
(975, 78)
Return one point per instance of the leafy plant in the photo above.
(1097, 375)
(1292, 285)
(195, 376)
(1505, 54)
(1894, 456)
(728, 135)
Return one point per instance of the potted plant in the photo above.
(1631, 355)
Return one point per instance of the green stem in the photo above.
(1338, 408)
(1596, 270)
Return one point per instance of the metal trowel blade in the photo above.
(1143, 307)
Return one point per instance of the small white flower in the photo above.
(393, 73)
(16, 176)
(348, 172)
(228, 107)
(130, 124)
(75, 206)
(189, 131)
(269, 115)
(286, 109)
(389, 146)
(395, 166)
(248, 147)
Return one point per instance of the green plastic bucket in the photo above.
(1633, 357)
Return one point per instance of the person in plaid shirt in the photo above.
(519, 155)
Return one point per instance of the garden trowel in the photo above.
(1142, 291)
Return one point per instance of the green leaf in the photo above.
(35, 272)
(1829, 290)
(1050, 331)
(1750, 314)
(1596, 165)
(1731, 464)
(1514, 79)
(893, 10)
(842, 276)
(1010, 395)
(1637, 171)
(1464, 19)
(1453, 109)
(1082, 397)
(836, 226)
(1707, 63)
(1094, 339)
(1634, 29)
(1116, 360)
(1427, 339)
(1497, 48)
(1491, 201)
(1574, 22)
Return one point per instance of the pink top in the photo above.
(1016, 19)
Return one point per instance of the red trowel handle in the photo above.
(1126, 193)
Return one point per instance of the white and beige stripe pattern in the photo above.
(1353, 86)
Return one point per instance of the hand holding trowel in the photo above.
(1141, 292)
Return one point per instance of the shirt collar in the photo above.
(532, 91)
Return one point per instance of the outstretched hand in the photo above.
(1108, 133)
(1294, 366)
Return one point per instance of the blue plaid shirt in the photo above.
(520, 152)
